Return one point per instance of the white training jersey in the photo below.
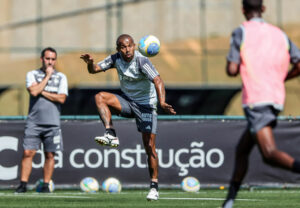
(136, 77)
(41, 110)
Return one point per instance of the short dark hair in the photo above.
(122, 37)
(252, 5)
(48, 49)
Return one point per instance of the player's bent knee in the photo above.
(270, 157)
(99, 98)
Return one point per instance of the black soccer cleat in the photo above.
(45, 189)
(21, 189)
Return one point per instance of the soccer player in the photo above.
(48, 89)
(140, 85)
(261, 53)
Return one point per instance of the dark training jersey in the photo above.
(41, 110)
(136, 77)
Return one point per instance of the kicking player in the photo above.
(261, 53)
(141, 85)
(48, 89)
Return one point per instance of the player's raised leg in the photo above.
(271, 155)
(105, 102)
(152, 159)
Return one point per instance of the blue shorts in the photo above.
(261, 116)
(145, 116)
(50, 136)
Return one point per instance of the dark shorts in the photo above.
(261, 116)
(145, 116)
(49, 136)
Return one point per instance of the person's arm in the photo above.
(62, 92)
(232, 69)
(294, 72)
(37, 88)
(161, 93)
(59, 98)
(91, 66)
(233, 57)
(295, 60)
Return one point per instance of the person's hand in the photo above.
(167, 108)
(87, 58)
(49, 70)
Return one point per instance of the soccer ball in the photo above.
(149, 45)
(112, 185)
(190, 184)
(89, 185)
(39, 185)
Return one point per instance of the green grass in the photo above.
(137, 198)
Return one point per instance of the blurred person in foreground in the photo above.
(48, 89)
(141, 85)
(261, 53)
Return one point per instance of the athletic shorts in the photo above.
(145, 116)
(261, 116)
(49, 136)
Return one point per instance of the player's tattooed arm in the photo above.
(161, 93)
(91, 66)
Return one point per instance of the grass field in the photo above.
(263, 198)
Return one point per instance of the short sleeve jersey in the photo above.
(251, 41)
(136, 77)
(41, 110)
(236, 42)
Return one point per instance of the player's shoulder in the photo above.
(138, 55)
(141, 58)
(115, 56)
(60, 74)
(238, 31)
(33, 72)
(275, 28)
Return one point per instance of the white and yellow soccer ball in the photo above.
(39, 185)
(112, 185)
(149, 45)
(89, 185)
(190, 184)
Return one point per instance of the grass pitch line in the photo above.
(207, 199)
(43, 196)
(277, 191)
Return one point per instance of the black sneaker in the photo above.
(21, 189)
(45, 189)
